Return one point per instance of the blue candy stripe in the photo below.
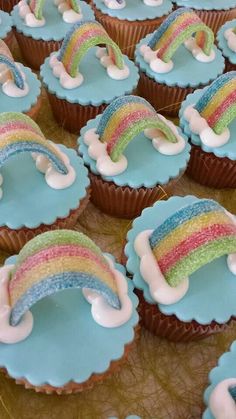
(217, 84)
(165, 25)
(60, 282)
(180, 217)
(17, 77)
(115, 106)
(26, 146)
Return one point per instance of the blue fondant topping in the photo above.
(5, 24)
(187, 71)
(25, 103)
(55, 28)
(65, 330)
(226, 368)
(136, 10)
(227, 150)
(222, 42)
(97, 87)
(207, 4)
(211, 282)
(25, 187)
(146, 166)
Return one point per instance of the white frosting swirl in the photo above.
(28, 16)
(102, 312)
(68, 14)
(221, 402)
(114, 4)
(199, 126)
(9, 87)
(59, 71)
(153, 3)
(10, 334)
(230, 37)
(113, 71)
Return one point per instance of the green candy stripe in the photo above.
(75, 5)
(39, 9)
(200, 257)
(228, 116)
(17, 116)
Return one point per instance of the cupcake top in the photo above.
(207, 4)
(5, 24)
(134, 10)
(94, 311)
(181, 39)
(177, 254)
(34, 170)
(80, 73)
(226, 38)
(19, 86)
(208, 117)
(130, 144)
(220, 396)
(49, 20)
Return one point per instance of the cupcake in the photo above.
(213, 13)
(6, 33)
(81, 80)
(173, 62)
(44, 186)
(176, 253)
(41, 26)
(134, 156)
(208, 118)
(226, 38)
(7, 5)
(90, 323)
(220, 396)
(129, 21)
(20, 89)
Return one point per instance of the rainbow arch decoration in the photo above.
(192, 237)
(124, 119)
(36, 6)
(19, 133)
(7, 59)
(55, 261)
(217, 105)
(80, 38)
(178, 28)
(74, 4)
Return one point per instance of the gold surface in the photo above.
(161, 380)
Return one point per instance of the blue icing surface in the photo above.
(135, 10)
(24, 188)
(5, 24)
(55, 28)
(227, 52)
(211, 282)
(187, 70)
(65, 330)
(146, 166)
(25, 103)
(226, 368)
(97, 87)
(207, 4)
(227, 150)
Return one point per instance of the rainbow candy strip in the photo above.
(217, 105)
(55, 261)
(7, 59)
(192, 237)
(36, 6)
(124, 119)
(19, 133)
(74, 4)
(178, 28)
(80, 38)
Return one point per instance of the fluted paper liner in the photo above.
(216, 18)
(9, 39)
(7, 5)
(210, 170)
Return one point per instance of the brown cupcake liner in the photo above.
(163, 98)
(12, 241)
(123, 201)
(9, 39)
(210, 170)
(72, 116)
(171, 328)
(7, 5)
(73, 387)
(229, 66)
(35, 51)
(127, 34)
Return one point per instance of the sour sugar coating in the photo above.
(36, 6)
(7, 60)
